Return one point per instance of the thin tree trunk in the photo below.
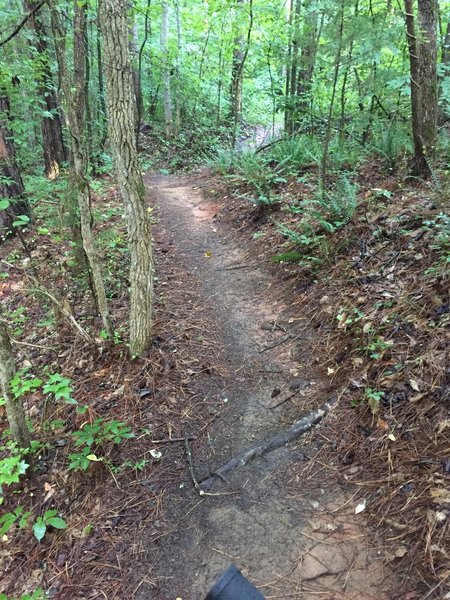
(140, 100)
(295, 50)
(327, 140)
(120, 111)
(101, 88)
(86, 83)
(167, 96)
(200, 72)
(75, 100)
(343, 93)
(288, 109)
(307, 63)
(177, 69)
(55, 153)
(11, 184)
(15, 412)
(419, 166)
(220, 81)
(240, 52)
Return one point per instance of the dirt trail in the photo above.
(293, 539)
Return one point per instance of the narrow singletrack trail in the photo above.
(294, 536)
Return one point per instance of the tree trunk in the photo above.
(55, 153)
(140, 99)
(120, 112)
(75, 100)
(101, 90)
(295, 52)
(133, 42)
(87, 82)
(240, 51)
(15, 412)
(344, 93)
(11, 184)
(428, 74)
(337, 64)
(307, 63)
(419, 166)
(178, 89)
(167, 96)
(288, 109)
(235, 112)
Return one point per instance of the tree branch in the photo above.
(23, 22)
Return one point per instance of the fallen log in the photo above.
(286, 436)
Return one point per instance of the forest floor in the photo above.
(356, 508)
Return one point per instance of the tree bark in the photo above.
(11, 184)
(133, 43)
(140, 99)
(75, 100)
(167, 96)
(428, 74)
(101, 88)
(240, 52)
(55, 153)
(419, 166)
(178, 89)
(120, 112)
(337, 64)
(307, 63)
(15, 412)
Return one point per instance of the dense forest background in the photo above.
(319, 133)
(206, 69)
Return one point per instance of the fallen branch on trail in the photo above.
(268, 445)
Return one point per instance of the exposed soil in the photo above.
(294, 536)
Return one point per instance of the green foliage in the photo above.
(377, 347)
(16, 319)
(254, 171)
(373, 398)
(49, 519)
(440, 227)
(334, 209)
(92, 437)
(348, 316)
(24, 382)
(36, 595)
(9, 519)
(11, 467)
(60, 388)
(391, 141)
(293, 153)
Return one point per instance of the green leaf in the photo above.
(57, 523)
(4, 203)
(93, 458)
(6, 522)
(39, 529)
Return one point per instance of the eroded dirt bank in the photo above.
(293, 536)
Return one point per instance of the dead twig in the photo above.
(190, 464)
(284, 437)
(278, 342)
(170, 440)
(236, 267)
